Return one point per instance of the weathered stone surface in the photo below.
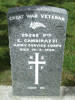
(37, 37)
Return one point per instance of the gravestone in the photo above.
(37, 37)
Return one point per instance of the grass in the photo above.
(68, 75)
(5, 77)
(68, 78)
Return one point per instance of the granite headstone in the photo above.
(37, 37)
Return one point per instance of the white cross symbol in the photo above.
(37, 63)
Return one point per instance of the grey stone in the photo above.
(37, 37)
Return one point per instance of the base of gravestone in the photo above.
(66, 93)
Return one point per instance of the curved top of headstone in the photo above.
(38, 8)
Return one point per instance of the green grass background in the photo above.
(68, 75)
